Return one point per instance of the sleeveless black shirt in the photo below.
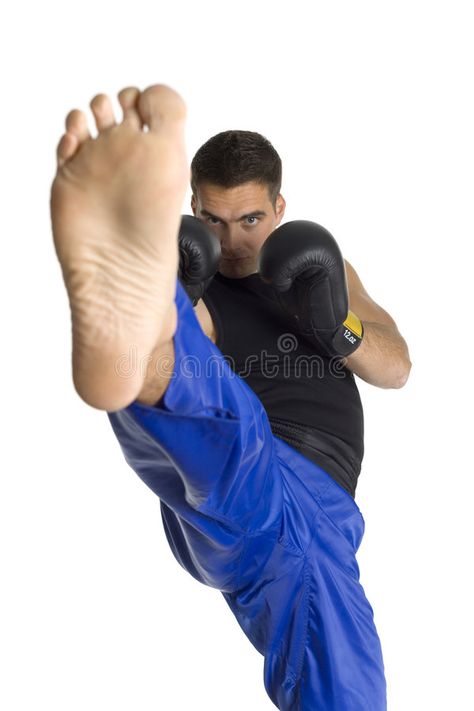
(311, 400)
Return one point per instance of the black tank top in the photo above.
(312, 402)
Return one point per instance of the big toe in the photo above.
(160, 105)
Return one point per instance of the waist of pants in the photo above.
(323, 449)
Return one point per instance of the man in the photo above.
(253, 514)
(236, 182)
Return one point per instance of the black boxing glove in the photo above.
(199, 255)
(303, 263)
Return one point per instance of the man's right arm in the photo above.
(205, 320)
(161, 362)
(199, 259)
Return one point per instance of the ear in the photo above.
(193, 204)
(280, 207)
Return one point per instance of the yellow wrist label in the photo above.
(354, 324)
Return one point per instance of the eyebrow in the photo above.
(257, 213)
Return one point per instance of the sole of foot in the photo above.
(116, 204)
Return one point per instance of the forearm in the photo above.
(158, 374)
(382, 359)
(160, 364)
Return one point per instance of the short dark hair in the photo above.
(231, 158)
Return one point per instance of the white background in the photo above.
(370, 106)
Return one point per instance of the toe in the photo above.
(101, 107)
(128, 99)
(76, 123)
(160, 105)
(67, 147)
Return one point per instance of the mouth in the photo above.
(234, 259)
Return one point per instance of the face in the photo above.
(241, 218)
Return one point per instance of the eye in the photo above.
(252, 217)
(213, 220)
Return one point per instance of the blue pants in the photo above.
(247, 514)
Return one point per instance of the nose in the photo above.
(230, 241)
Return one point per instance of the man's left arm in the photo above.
(382, 359)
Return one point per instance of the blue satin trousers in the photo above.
(247, 514)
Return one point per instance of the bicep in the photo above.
(205, 320)
(361, 303)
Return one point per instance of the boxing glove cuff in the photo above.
(348, 336)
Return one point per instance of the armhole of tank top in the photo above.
(215, 319)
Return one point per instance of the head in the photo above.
(236, 182)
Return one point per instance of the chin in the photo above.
(236, 270)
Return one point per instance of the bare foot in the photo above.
(116, 209)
